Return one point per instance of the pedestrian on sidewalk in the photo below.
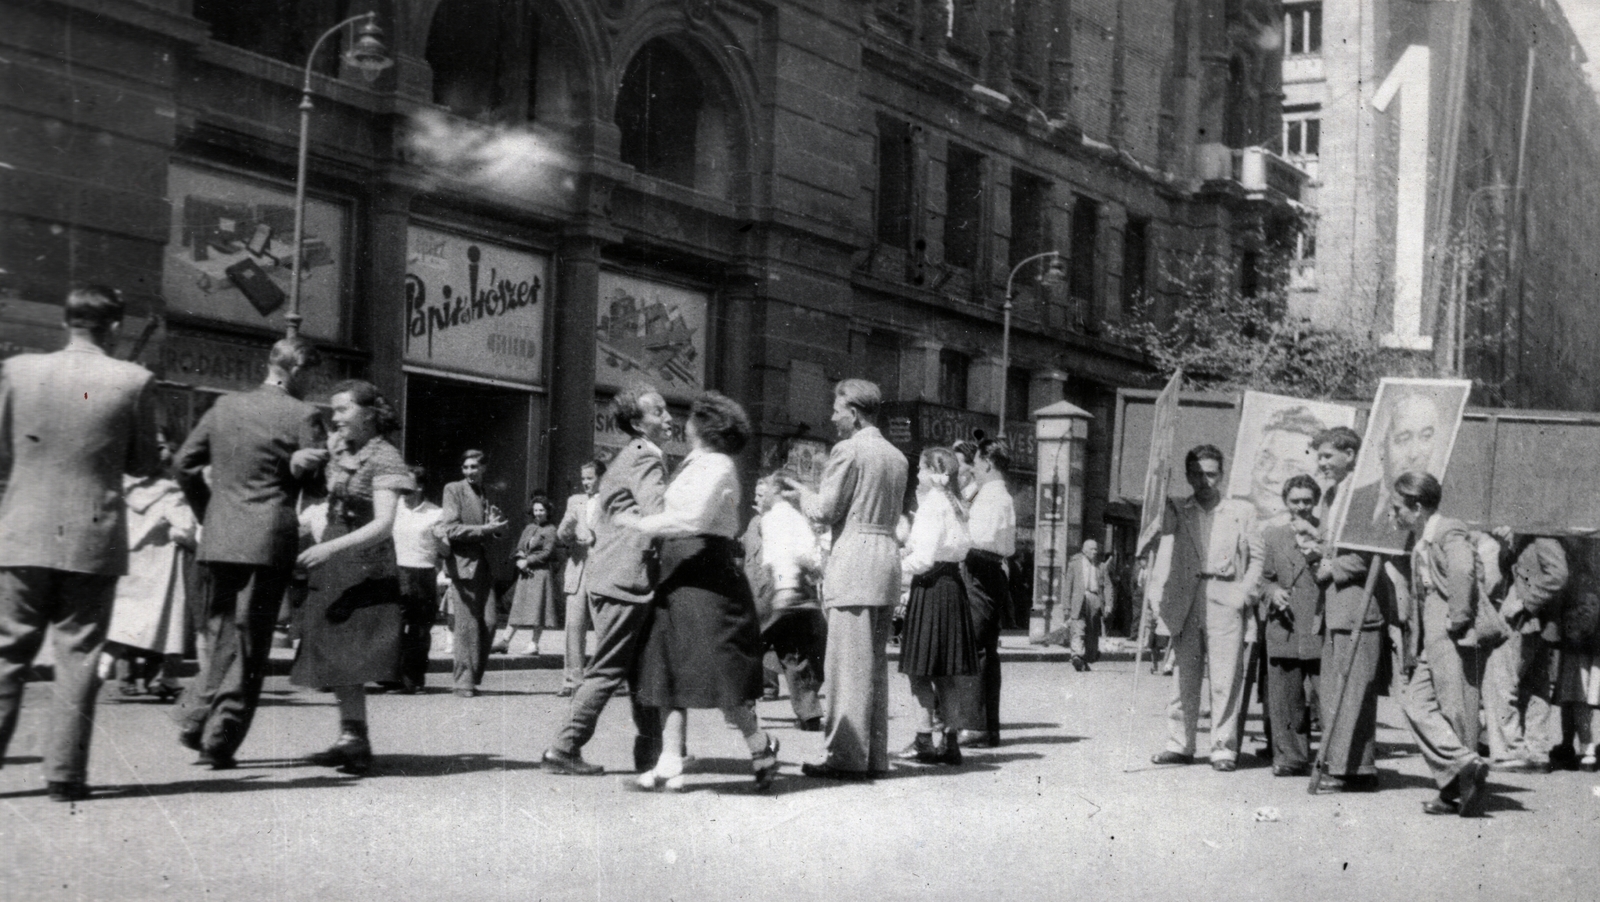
(535, 606)
(467, 524)
(992, 524)
(576, 534)
(789, 560)
(352, 621)
(863, 488)
(704, 645)
(620, 577)
(243, 468)
(417, 551)
(938, 652)
(72, 423)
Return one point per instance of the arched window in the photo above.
(659, 110)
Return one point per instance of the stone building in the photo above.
(1455, 149)
(539, 202)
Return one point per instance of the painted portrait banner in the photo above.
(474, 307)
(1413, 427)
(230, 254)
(1274, 443)
(1163, 434)
(651, 332)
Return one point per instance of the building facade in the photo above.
(1455, 152)
(538, 203)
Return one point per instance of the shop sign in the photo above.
(223, 364)
(914, 425)
(474, 307)
(230, 253)
(652, 333)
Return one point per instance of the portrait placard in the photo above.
(1413, 427)
(1274, 443)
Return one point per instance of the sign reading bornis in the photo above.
(475, 307)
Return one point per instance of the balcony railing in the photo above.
(1257, 171)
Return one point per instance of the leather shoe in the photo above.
(571, 765)
(1171, 758)
(190, 739)
(1329, 785)
(978, 739)
(1079, 664)
(1440, 806)
(217, 760)
(1224, 765)
(67, 791)
(1289, 770)
(566, 692)
(1473, 789)
(810, 725)
(829, 772)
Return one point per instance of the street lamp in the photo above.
(369, 57)
(1052, 276)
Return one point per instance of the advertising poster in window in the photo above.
(652, 333)
(474, 307)
(230, 253)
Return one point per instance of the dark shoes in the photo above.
(1474, 792)
(1224, 765)
(920, 746)
(1563, 757)
(829, 772)
(217, 760)
(1330, 785)
(566, 692)
(1440, 806)
(1291, 770)
(1171, 758)
(1079, 664)
(190, 739)
(351, 755)
(67, 791)
(572, 765)
(810, 725)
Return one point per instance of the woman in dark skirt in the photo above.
(351, 621)
(534, 603)
(704, 648)
(937, 648)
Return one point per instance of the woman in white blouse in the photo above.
(704, 648)
(937, 649)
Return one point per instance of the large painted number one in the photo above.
(1410, 78)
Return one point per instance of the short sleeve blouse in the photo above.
(376, 465)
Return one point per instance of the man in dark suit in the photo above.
(468, 523)
(1083, 605)
(259, 446)
(71, 424)
(620, 579)
(1352, 647)
(1293, 625)
(1442, 695)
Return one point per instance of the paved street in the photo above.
(458, 809)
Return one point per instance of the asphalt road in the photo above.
(457, 809)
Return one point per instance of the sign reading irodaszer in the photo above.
(474, 307)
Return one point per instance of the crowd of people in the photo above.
(133, 548)
(127, 545)
(1494, 636)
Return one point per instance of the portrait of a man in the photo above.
(1412, 429)
(1274, 444)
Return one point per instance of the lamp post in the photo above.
(1052, 275)
(369, 56)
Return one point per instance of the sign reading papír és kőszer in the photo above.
(474, 307)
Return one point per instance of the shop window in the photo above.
(895, 168)
(1302, 28)
(1030, 232)
(954, 367)
(281, 29)
(963, 216)
(1135, 261)
(1018, 381)
(658, 110)
(1081, 269)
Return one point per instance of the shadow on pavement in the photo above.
(443, 765)
(245, 783)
